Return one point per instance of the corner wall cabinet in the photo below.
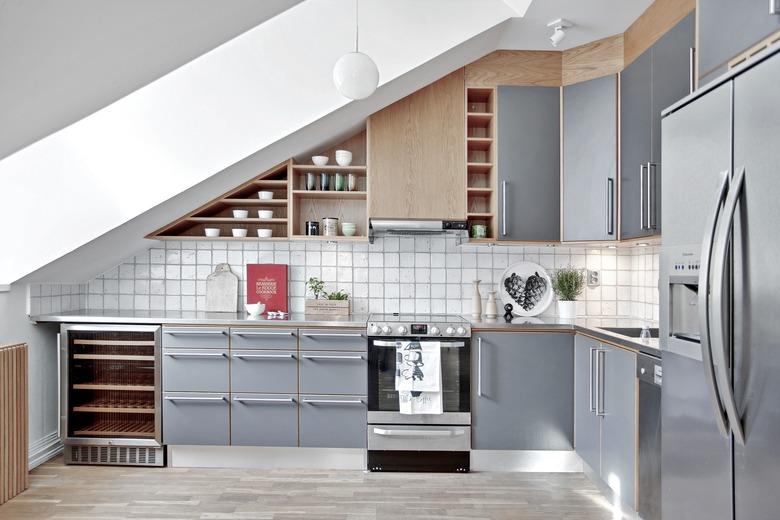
(480, 159)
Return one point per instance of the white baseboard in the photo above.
(540, 461)
(255, 457)
(44, 449)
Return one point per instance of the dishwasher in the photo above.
(649, 372)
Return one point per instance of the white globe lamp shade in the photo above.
(355, 75)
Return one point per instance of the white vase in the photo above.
(476, 302)
(491, 309)
(567, 309)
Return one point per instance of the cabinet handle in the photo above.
(262, 400)
(194, 354)
(444, 343)
(264, 356)
(610, 206)
(651, 195)
(774, 7)
(263, 333)
(196, 399)
(692, 67)
(503, 207)
(330, 357)
(591, 393)
(334, 335)
(641, 196)
(418, 433)
(195, 332)
(600, 355)
(479, 367)
(332, 401)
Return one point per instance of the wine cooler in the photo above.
(110, 395)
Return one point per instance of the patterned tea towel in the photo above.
(418, 377)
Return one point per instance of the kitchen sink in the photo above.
(631, 332)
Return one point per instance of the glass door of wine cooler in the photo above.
(111, 385)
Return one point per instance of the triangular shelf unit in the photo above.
(292, 204)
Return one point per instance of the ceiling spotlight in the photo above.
(558, 30)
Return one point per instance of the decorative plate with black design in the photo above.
(528, 287)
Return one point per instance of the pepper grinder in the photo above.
(508, 314)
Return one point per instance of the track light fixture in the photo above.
(558, 30)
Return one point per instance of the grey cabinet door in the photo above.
(195, 337)
(635, 145)
(587, 425)
(726, 29)
(242, 338)
(195, 370)
(264, 420)
(523, 391)
(528, 161)
(590, 160)
(196, 418)
(333, 339)
(333, 372)
(619, 421)
(273, 371)
(328, 421)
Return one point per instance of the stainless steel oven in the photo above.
(419, 442)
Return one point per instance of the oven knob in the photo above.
(449, 331)
(374, 330)
(434, 331)
(386, 329)
(461, 331)
(402, 330)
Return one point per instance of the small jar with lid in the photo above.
(330, 227)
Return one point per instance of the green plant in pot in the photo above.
(568, 283)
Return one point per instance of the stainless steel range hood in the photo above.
(400, 227)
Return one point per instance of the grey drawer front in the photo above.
(264, 371)
(264, 420)
(196, 370)
(425, 437)
(263, 338)
(329, 339)
(328, 421)
(196, 418)
(195, 337)
(333, 372)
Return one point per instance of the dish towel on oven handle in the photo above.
(418, 377)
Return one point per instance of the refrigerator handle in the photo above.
(720, 347)
(704, 310)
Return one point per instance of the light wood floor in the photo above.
(94, 492)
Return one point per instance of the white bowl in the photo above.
(211, 232)
(265, 195)
(265, 213)
(254, 309)
(343, 157)
(320, 160)
(240, 213)
(239, 232)
(348, 231)
(264, 233)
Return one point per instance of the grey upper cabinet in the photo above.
(587, 426)
(590, 160)
(522, 391)
(727, 29)
(528, 161)
(658, 78)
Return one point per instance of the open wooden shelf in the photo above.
(105, 427)
(478, 190)
(255, 202)
(270, 183)
(321, 238)
(116, 405)
(478, 167)
(480, 153)
(237, 221)
(479, 215)
(330, 168)
(319, 194)
(479, 143)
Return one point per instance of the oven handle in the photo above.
(418, 433)
(444, 344)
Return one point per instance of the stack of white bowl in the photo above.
(343, 157)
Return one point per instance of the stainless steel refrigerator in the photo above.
(720, 298)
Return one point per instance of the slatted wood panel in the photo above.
(13, 421)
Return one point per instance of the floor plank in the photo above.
(119, 493)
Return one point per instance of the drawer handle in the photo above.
(332, 401)
(418, 433)
(194, 354)
(198, 399)
(263, 333)
(331, 357)
(262, 400)
(195, 332)
(444, 343)
(264, 356)
(334, 335)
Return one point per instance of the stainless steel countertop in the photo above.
(590, 326)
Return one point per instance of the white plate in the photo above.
(524, 270)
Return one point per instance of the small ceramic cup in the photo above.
(478, 231)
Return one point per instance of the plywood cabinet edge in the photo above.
(657, 19)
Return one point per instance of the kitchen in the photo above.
(476, 276)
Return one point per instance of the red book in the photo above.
(267, 283)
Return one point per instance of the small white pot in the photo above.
(567, 310)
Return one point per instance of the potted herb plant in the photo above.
(567, 284)
(335, 303)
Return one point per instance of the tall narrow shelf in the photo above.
(481, 196)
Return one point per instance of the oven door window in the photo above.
(455, 370)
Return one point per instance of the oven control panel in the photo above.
(419, 329)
